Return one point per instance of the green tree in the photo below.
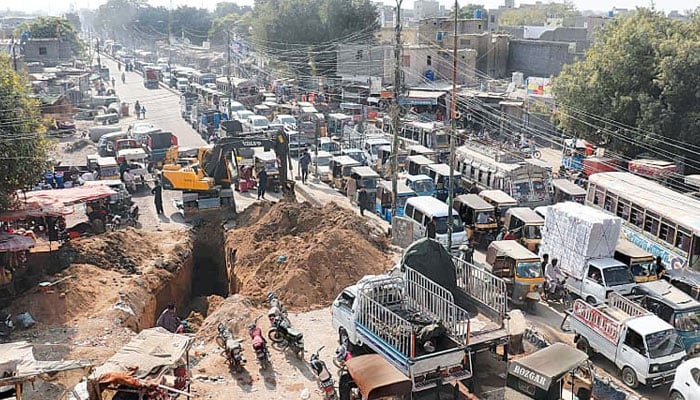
(54, 27)
(234, 23)
(468, 12)
(23, 147)
(191, 23)
(74, 20)
(225, 8)
(639, 83)
(537, 14)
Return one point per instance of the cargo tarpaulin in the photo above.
(54, 203)
(575, 233)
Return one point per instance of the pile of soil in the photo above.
(306, 255)
(199, 308)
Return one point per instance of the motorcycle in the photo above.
(556, 291)
(282, 334)
(342, 355)
(277, 310)
(530, 152)
(323, 377)
(130, 218)
(231, 348)
(259, 344)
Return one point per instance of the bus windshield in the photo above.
(441, 224)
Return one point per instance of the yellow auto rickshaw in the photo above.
(520, 268)
(641, 264)
(479, 218)
(341, 169)
(526, 225)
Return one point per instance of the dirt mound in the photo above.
(126, 250)
(236, 312)
(306, 255)
(199, 308)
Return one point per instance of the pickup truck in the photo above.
(410, 321)
(601, 277)
(642, 346)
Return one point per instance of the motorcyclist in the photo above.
(553, 275)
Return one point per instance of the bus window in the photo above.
(683, 239)
(591, 191)
(623, 209)
(667, 232)
(637, 216)
(694, 258)
(599, 196)
(610, 202)
(651, 223)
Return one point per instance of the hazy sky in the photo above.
(57, 7)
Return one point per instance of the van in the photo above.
(96, 132)
(422, 210)
(105, 146)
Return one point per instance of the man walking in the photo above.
(158, 199)
(143, 112)
(168, 320)
(137, 109)
(304, 163)
(262, 183)
(362, 200)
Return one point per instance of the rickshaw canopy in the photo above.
(498, 196)
(631, 250)
(420, 160)
(365, 172)
(420, 150)
(527, 215)
(510, 249)
(401, 188)
(548, 365)
(443, 170)
(474, 202)
(568, 187)
(345, 161)
(376, 378)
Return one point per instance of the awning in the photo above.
(420, 98)
(376, 378)
(10, 243)
(54, 203)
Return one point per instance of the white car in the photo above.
(256, 123)
(686, 384)
(323, 159)
(287, 120)
(242, 115)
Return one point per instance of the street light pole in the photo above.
(450, 198)
(395, 110)
(228, 71)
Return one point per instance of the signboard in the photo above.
(539, 86)
(529, 376)
(595, 319)
(375, 85)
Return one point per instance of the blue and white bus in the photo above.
(661, 221)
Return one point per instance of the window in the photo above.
(610, 203)
(635, 341)
(651, 223)
(599, 196)
(465, 42)
(493, 18)
(623, 209)
(637, 216)
(408, 211)
(418, 216)
(42, 51)
(594, 275)
(429, 60)
(590, 193)
(406, 61)
(478, 27)
(683, 239)
(667, 232)
(695, 373)
(346, 300)
(358, 55)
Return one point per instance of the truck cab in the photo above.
(601, 277)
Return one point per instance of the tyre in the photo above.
(537, 154)
(567, 301)
(591, 300)
(629, 377)
(582, 344)
(275, 335)
(676, 396)
(343, 338)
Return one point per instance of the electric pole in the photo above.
(228, 71)
(451, 188)
(99, 63)
(14, 54)
(395, 110)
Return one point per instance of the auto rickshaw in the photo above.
(440, 173)
(500, 200)
(415, 163)
(268, 160)
(341, 168)
(642, 264)
(521, 270)
(107, 168)
(384, 198)
(384, 161)
(479, 218)
(423, 185)
(366, 177)
(526, 225)
(418, 150)
(565, 190)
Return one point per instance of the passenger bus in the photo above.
(483, 168)
(661, 221)
(203, 78)
(432, 135)
(242, 90)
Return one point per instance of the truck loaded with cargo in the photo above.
(642, 346)
(584, 239)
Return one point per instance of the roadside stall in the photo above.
(371, 377)
(13, 258)
(152, 366)
(19, 367)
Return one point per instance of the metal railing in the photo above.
(629, 307)
(482, 286)
(385, 324)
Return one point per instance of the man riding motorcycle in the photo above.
(554, 276)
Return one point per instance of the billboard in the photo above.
(539, 86)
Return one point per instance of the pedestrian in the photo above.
(362, 200)
(304, 163)
(137, 109)
(501, 234)
(113, 82)
(262, 183)
(123, 78)
(431, 229)
(543, 264)
(119, 66)
(143, 112)
(158, 198)
(168, 319)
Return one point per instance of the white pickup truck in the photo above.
(642, 346)
(601, 277)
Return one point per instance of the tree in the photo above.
(637, 89)
(225, 8)
(537, 14)
(234, 23)
(191, 23)
(469, 12)
(54, 27)
(23, 147)
(74, 19)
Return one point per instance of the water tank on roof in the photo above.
(478, 13)
(430, 75)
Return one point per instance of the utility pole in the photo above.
(451, 188)
(395, 110)
(14, 54)
(170, 44)
(228, 71)
(99, 63)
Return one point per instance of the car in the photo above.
(686, 384)
(256, 123)
(242, 115)
(323, 160)
(286, 119)
(182, 84)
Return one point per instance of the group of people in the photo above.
(140, 110)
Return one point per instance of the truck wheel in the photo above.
(582, 344)
(343, 338)
(676, 396)
(591, 300)
(630, 377)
